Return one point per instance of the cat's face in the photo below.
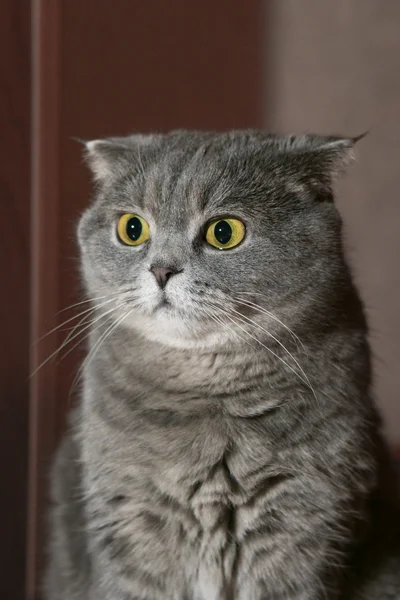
(188, 230)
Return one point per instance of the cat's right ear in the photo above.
(106, 159)
(111, 158)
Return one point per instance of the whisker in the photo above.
(85, 337)
(81, 322)
(97, 346)
(112, 294)
(84, 312)
(268, 350)
(249, 303)
(64, 343)
(255, 324)
(219, 321)
(92, 322)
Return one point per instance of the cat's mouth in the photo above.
(163, 304)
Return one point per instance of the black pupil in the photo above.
(134, 229)
(223, 232)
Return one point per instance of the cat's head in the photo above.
(192, 234)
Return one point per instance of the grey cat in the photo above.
(226, 446)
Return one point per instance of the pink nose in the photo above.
(162, 274)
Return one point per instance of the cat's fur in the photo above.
(213, 454)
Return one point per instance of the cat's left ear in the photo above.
(326, 155)
(317, 161)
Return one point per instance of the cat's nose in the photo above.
(162, 274)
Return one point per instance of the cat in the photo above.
(226, 445)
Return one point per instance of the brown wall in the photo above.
(334, 66)
(104, 68)
(86, 69)
(15, 285)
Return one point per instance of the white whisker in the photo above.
(89, 358)
(251, 304)
(84, 312)
(112, 294)
(255, 324)
(219, 321)
(82, 321)
(64, 343)
(85, 337)
(268, 349)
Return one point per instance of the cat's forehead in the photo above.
(181, 183)
(200, 177)
(181, 173)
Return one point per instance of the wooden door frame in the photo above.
(45, 198)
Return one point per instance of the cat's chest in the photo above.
(217, 478)
(212, 499)
(224, 510)
(199, 479)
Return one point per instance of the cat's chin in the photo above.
(168, 327)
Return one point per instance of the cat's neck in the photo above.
(191, 379)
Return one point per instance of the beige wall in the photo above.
(334, 67)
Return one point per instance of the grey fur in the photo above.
(226, 446)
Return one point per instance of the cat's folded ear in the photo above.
(106, 158)
(110, 158)
(319, 160)
(329, 153)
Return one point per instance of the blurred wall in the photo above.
(334, 67)
(102, 68)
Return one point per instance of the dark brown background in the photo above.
(86, 69)
(100, 67)
(15, 290)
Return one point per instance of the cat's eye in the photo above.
(133, 230)
(225, 233)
